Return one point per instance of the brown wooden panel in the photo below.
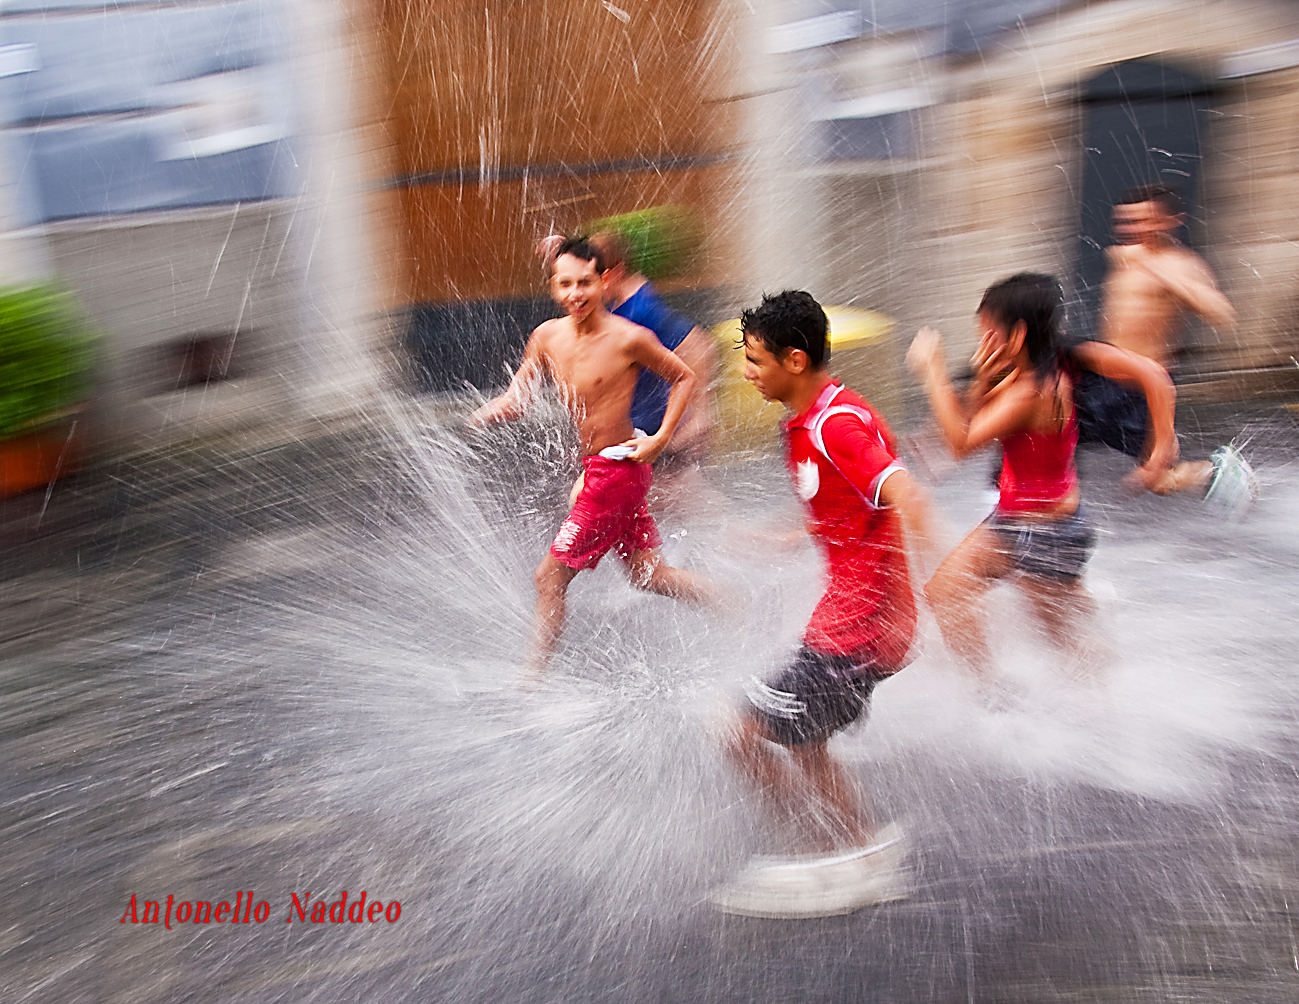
(385, 211)
(476, 241)
(505, 83)
(510, 120)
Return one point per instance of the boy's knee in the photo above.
(645, 573)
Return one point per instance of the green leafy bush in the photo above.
(46, 356)
(662, 241)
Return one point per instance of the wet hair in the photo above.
(581, 248)
(1161, 195)
(790, 320)
(612, 246)
(1037, 300)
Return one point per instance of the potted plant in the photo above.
(46, 359)
(662, 242)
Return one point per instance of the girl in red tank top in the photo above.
(1037, 472)
(1022, 396)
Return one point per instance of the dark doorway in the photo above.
(1142, 125)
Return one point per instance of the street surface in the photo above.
(290, 673)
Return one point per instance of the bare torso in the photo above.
(1139, 310)
(595, 372)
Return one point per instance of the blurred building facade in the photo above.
(912, 153)
(198, 173)
(265, 203)
(270, 206)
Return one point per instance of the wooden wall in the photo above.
(514, 118)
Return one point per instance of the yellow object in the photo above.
(747, 425)
(851, 328)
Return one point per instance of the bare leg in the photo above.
(649, 572)
(552, 578)
(1067, 612)
(1063, 607)
(833, 790)
(1189, 476)
(748, 748)
(576, 490)
(956, 591)
(809, 773)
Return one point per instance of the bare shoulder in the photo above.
(626, 328)
(548, 329)
(1191, 261)
(545, 334)
(636, 337)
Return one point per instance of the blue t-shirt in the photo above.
(650, 399)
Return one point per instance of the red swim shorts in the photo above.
(609, 513)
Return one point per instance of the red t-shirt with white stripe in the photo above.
(868, 610)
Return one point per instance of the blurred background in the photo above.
(272, 208)
(262, 601)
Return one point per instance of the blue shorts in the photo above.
(1111, 414)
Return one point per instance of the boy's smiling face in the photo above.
(576, 286)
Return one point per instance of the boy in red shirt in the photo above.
(843, 461)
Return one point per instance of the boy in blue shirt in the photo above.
(629, 294)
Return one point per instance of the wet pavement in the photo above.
(286, 672)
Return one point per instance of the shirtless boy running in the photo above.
(1152, 279)
(594, 358)
(629, 294)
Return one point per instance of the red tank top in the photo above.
(1039, 470)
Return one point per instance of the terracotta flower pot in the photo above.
(36, 459)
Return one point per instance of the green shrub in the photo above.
(662, 241)
(46, 356)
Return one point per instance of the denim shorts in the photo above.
(1055, 549)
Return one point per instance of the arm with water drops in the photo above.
(512, 404)
(698, 352)
(1186, 275)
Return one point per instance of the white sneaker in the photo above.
(1234, 486)
(821, 886)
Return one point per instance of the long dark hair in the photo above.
(1037, 300)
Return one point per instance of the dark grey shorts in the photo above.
(813, 697)
(1058, 549)
(1112, 414)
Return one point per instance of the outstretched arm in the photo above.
(1133, 369)
(650, 353)
(698, 352)
(511, 405)
(901, 493)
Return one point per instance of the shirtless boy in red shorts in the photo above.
(594, 358)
